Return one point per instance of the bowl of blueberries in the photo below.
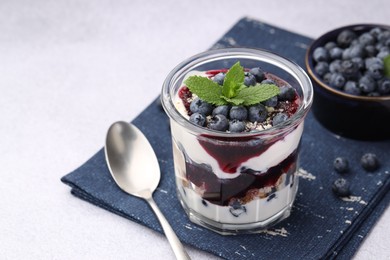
(350, 71)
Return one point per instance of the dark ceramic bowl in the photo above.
(356, 117)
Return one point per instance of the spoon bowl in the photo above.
(134, 167)
(131, 160)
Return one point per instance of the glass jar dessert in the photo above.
(237, 117)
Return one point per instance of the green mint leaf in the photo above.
(386, 64)
(233, 80)
(233, 91)
(234, 101)
(205, 89)
(256, 94)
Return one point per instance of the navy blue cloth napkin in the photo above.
(320, 226)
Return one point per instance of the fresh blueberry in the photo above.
(249, 80)
(370, 50)
(359, 62)
(200, 106)
(341, 187)
(335, 66)
(236, 208)
(383, 86)
(321, 68)
(383, 54)
(268, 81)
(372, 60)
(378, 46)
(387, 43)
(351, 87)
(383, 36)
(198, 119)
(376, 71)
(341, 164)
(219, 123)
(221, 110)
(376, 31)
(238, 112)
(236, 126)
(337, 80)
(384, 48)
(367, 84)
(271, 102)
(330, 45)
(286, 93)
(279, 118)
(258, 73)
(349, 69)
(257, 113)
(353, 52)
(320, 54)
(346, 54)
(366, 39)
(219, 78)
(355, 42)
(369, 162)
(326, 77)
(345, 38)
(335, 53)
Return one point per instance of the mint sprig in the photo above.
(234, 79)
(233, 91)
(205, 89)
(260, 92)
(386, 65)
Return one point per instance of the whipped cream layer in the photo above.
(275, 154)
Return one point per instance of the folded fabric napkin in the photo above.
(320, 226)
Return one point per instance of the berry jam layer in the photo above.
(231, 153)
(243, 188)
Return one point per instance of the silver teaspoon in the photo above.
(135, 169)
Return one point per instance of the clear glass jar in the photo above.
(236, 182)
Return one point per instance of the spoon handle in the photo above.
(174, 241)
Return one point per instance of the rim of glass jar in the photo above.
(167, 93)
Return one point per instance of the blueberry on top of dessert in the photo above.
(238, 100)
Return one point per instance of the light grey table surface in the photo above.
(68, 69)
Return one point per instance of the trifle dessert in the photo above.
(237, 117)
